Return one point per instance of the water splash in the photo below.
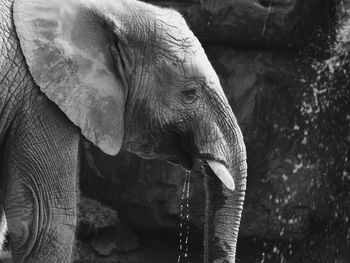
(184, 220)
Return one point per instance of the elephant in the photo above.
(122, 74)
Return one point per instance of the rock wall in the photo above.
(281, 24)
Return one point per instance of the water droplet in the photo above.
(184, 220)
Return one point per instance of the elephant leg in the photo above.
(41, 169)
(3, 231)
(5, 256)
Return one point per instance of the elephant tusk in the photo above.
(221, 171)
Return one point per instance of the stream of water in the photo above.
(184, 220)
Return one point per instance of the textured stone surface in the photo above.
(118, 238)
(95, 215)
(262, 23)
(282, 195)
(101, 227)
(148, 193)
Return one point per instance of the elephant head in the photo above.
(133, 76)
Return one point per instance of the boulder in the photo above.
(283, 194)
(281, 24)
(95, 216)
(101, 227)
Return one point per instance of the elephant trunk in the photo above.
(225, 192)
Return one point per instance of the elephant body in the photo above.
(56, 86)
(39, 158)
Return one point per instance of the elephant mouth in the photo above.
(184, 160)
(180, 156)
(217, 167)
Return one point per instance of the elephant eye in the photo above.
(190, 96)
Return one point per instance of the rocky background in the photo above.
(283, 65)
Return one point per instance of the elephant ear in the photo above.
(71, 54)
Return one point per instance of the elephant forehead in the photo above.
(198, 66)
(173, 32)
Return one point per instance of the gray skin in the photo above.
(124, 74)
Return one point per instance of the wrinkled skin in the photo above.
(174, 109)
